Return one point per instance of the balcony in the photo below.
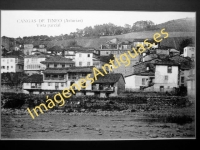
(54, 78)
(103, 88)
(35, 87)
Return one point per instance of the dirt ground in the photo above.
(91, 126)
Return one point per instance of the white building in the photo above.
(83, 59)
(28, 48)
(32, 64)
(166, 76)
(189, 51)
(12, 64)
(136, 82)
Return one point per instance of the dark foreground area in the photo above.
(140, 116)
(97, 125)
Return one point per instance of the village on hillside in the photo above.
(101, 82)
(42, 70)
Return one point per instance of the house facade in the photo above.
(189, 51)
(166, 76)
(108, 85)
(28, 48)
(84, 59)
(12, 64)
(32, 64)
(139, 82)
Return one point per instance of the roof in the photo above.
(109, 78)
(37, 56)
(167, 62)
(106, 59)
(146, 73)
(35, 78)
(57, 59)
(174, 50)
(56, 71)
(185, 63)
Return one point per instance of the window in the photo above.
(12, 66)
(80, 63)
(7, 67)
(79, 55)
(62, 84)
(88, 55)
(27, 84)
(88, 63)
(182, 79)
(55, 65)
(63, 65)
(3, 67)
(11, 60)
(143, 81)
(169, 69)
(166, 77)
(49, 84)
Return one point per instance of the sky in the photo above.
(31, 23)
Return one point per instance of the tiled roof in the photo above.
(185, 63)
(35, 78)
(167, 62)
(145, 73)
(108, 78)
(58, 59)
(36, 56)
(106, 59)
(56, 70)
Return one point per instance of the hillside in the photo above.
(178, 30)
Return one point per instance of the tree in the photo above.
(185, 43)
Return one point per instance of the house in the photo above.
(70, 52)
(173, 52)
(99, 61)
(189, 51)
(38, 49)
(28, 48)
(12, 63)
(84, 58)
(142, 77)
(58, 62)
(32, 64)
(56, 79)
(166, 75)
(57, 50)
(191, 84)
(138, 82)
(138, 42)
(186, 65)
(33, 84)
(109, 85)
(128, 69)
(114, 46)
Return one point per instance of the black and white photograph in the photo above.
(98, 75)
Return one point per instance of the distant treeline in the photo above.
(108, 29)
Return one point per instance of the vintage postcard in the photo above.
(98, 75)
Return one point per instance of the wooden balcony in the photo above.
(53, 78)
(103, 88)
